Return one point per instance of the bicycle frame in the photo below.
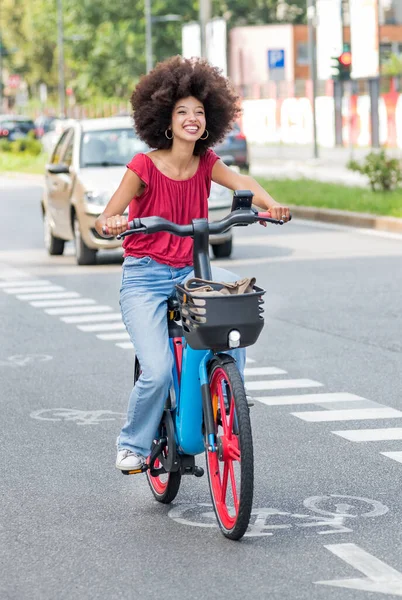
(189, 367)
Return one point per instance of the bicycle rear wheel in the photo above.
(231, 468)
(164, 487)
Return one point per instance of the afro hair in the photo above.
(157, 92)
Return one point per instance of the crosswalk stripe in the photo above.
(114, 336)
(24, 283)
(394, 455)
(250, 360)
(125, 345)
(33, 289)
(371, 435)
(348, 414)
(282, 384)
(89, 318)
(48, 296)
(49, 303)
(251, 371)
(77, 310)
(307, 399)
(101, 327)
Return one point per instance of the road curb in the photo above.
(351, 219)
(24, 176)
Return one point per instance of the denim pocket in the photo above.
(132, 264)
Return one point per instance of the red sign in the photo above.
(14, 81)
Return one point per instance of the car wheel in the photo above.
(84, 255)
(53, 244)
(223, 250)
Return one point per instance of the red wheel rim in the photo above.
(156, 482)
(221, 465)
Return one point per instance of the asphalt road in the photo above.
(327, 431)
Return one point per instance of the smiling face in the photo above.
(188, 119)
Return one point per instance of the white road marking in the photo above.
(250, 360)
(49, 303)
(101, 327)
(24, 283)
(251, 371)
(379, 577)
(114, 336)
(282, 384)
(33, 289)
(371, 435)
(73, 310)
(125, 345)
(89, 318)
(394, 455)
(349, 414)
(308, 399)
(48, 296)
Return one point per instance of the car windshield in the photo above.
(109, 148)
(17, 123)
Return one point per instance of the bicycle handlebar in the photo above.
(237, 217)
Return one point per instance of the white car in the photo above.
(86, 167)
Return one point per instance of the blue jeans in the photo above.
(146, 287)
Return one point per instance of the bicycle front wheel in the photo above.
(231, 467)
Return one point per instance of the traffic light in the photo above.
(343, 65)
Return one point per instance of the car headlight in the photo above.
(96, 201)
(219, 196)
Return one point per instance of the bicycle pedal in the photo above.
(198, 471)
(136, 471)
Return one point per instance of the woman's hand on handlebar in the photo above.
(279, 212)
(282, 213)
(107, 226)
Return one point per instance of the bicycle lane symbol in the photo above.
(80, 417)
(267, 521)
(22, 360)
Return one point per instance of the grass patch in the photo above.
(328, 195)
(23, 163)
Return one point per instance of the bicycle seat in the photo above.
(173, 304)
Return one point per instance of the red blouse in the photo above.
(178, 201)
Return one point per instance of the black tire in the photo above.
(54, 245)
(164, 491)
(242, 432)
(84, 255)
(223, 250)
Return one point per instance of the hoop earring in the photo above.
(206, 137)
(169, 138)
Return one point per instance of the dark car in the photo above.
(235, 144)
(44, 124)
(15, 128)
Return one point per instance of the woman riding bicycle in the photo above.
(181, 109)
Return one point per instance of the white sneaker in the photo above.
(129, 461)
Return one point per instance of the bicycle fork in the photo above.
(207, 403)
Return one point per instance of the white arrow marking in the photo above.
(380, 577)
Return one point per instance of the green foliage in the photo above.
(384, 173)
(104, 46)
(5, 146)
(393, 66)
(26, 145)
(338, 197)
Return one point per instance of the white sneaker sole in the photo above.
(129, 468)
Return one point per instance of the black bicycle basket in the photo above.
(208, 320)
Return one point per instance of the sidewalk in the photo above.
(297, 162)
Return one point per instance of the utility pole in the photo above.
(204, 17)
(311, 19)
(148, 36)
(60, 47)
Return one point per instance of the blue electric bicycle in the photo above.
(207, 408)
